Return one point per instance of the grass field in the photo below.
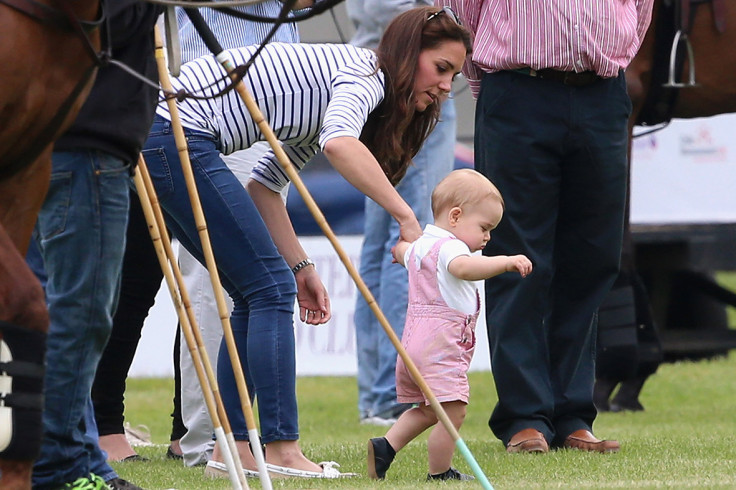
(686, 438)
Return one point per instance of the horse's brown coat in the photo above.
(39, 67)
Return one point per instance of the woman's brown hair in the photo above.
(395, 131)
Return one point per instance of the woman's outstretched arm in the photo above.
(357, 164)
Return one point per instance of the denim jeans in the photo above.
(140, 281)
(388, 282)
(81, 237)
(98, 457)
(251, 269)
(197, 444)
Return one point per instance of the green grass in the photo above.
(686, 438)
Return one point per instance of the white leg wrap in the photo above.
(22, 354)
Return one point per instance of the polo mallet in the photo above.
(222, 309)
(293, 175)
(200, 359)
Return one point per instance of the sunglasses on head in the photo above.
(447, 11)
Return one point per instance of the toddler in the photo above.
(439, 334)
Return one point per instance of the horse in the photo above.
(711, 33)
(48, 60)
(677, 73)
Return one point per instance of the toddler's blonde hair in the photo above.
(463, 188)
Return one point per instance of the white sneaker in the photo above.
(379, 421)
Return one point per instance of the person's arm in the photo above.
(477, 267)
(356, 91)
(382, 12)
(302, 4)
(357, 164)
(644, 17)
(314, 302)
(399, 251)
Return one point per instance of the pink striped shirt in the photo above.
(567, 35)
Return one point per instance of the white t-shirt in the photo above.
(457, 293)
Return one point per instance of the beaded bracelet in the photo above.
(301, 265)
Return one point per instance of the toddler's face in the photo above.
(475, 223)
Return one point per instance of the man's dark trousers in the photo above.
(558, 154)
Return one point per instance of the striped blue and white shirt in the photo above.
(232, 32)
(308, 93)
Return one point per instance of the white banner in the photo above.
(686, 173)
(324, 350)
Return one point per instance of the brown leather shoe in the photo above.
(585, 441)
(527, 441)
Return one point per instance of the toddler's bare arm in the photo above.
(477, 267)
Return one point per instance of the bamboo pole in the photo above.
(192, 336)
(199, 218)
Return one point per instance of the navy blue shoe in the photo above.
(380, 456)
(170, 454)
(451, 474)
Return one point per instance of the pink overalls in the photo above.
(439, 339)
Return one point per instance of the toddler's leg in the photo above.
(440, 445)
(381, 450)
(410, 424)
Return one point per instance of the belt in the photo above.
(572, 78)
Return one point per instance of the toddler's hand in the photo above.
(519, 263)
(397, 251)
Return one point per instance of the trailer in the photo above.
(683, 224)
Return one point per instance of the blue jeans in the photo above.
(251, 269)
(81, 237)
(388, 282)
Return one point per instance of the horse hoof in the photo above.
(601, 392)
(628, 405)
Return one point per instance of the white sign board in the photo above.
(685, 173)
(324, 350)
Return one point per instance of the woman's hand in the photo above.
(314, 302)
(410, 230)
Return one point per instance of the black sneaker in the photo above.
(134, 458)
(451, 474)
(170, 454)
(120, 484)
(380, 456)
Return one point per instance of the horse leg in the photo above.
(638, 75)
(627, 396)
(23, 325)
